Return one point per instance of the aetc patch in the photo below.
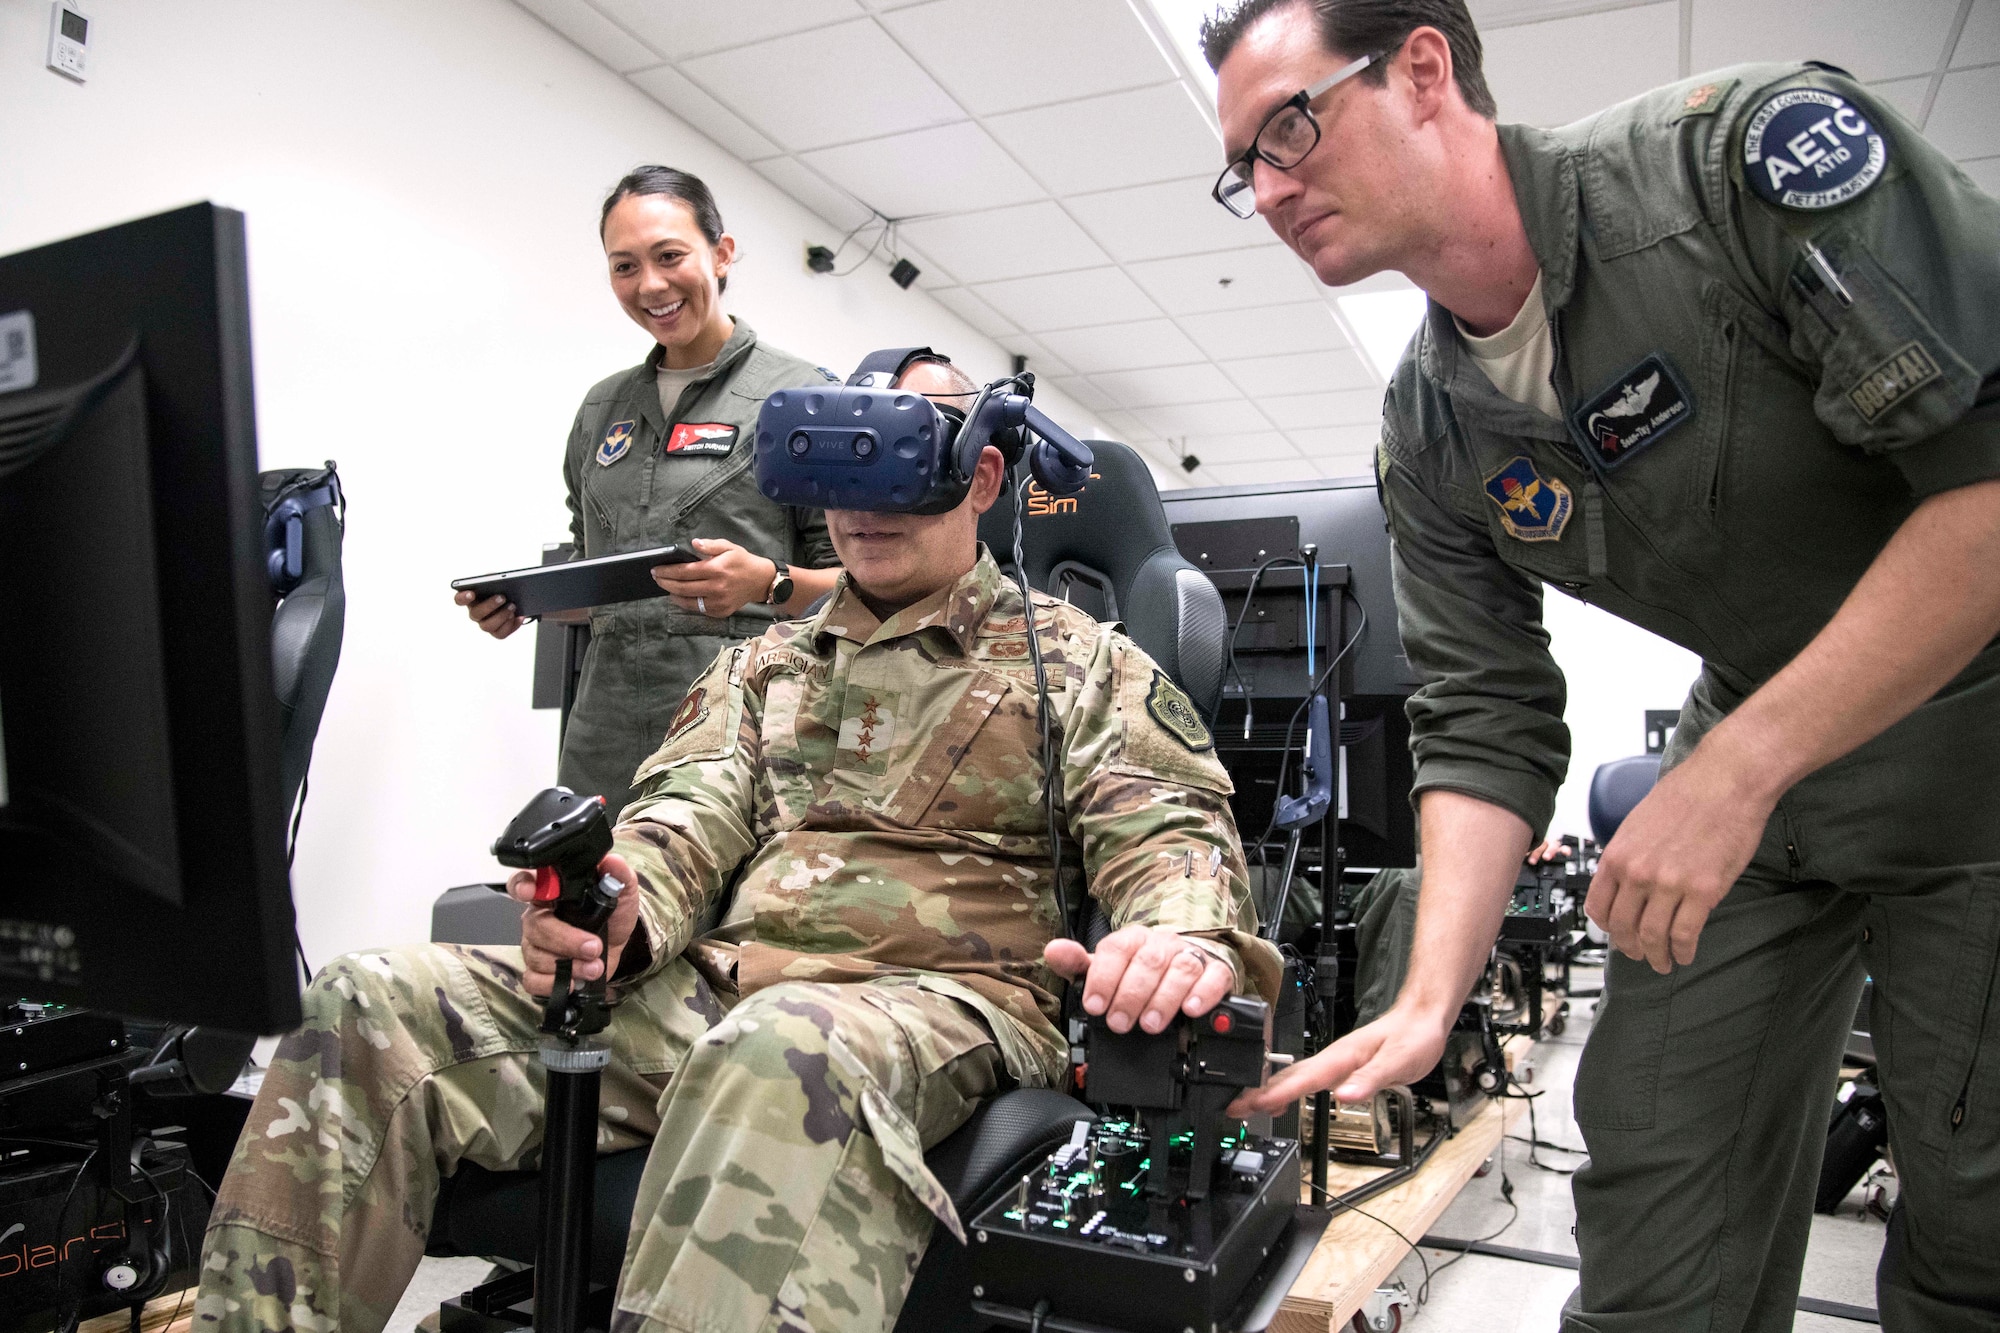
(1636, 409)
(1810, 149)
(692, 710)
(1176, 713)
(1533, 508)
(616, 441)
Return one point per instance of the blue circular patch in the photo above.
(1807, 148)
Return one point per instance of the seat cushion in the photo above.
(496, 1214)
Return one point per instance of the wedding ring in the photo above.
(701, 604)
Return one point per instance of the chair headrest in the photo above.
(1615, 788)
(1113, 526)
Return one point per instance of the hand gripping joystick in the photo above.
(562, 837)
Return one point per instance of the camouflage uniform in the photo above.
(858, 802)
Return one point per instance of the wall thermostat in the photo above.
(69, 40)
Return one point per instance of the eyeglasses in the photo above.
(1283, 140)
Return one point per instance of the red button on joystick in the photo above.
(1220, 1022)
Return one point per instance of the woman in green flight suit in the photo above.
(660, 454)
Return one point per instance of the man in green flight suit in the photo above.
(858, 797)
(1721, 360)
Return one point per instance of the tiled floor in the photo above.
(1476, 1292)
(1500, 1295)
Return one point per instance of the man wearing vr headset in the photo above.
(840, 934)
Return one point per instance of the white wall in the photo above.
(429, 304)
(1616, 671)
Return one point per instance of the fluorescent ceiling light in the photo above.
(1179, 21)
(1384, 321)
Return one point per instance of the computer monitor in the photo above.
(141, 822)
(1229, 531)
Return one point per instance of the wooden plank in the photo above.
(159, 1316)
(1358, 1253)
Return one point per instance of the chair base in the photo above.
(506, 1304)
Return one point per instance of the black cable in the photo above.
(1050, 777)
(1285, 754)
(1336, 1202)
(1232, 671)
(1513, 1216)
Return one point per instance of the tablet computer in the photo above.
(576, 584)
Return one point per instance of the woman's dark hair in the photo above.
(675, 184)
(1367, 27)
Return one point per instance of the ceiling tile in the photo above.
(839, 209)
(1085, 392)
(1000, 57)
(963, 170)
(1170, 218)
(1337, 441)
(595, 33)
(1556, 72)
(1159, 385)
(1227, 280)
(1353, 407)
(1258, 474)
(1041, 360)
(681, 28)
(1347, 466)
(1068, 300)
(1985, 174)
(1125, 427)
(1304, 372)
(1979, 44)
(930, 273)
(1149, 134)
(1872, 39)
(673, 90)
(1148, 342)
(1013, 242)
(1213, 420)
(981, 316)
(1267, 331)
(881, 90)
(1906, 95)
(1496, 14)
(1965, 122)
(1250, 447)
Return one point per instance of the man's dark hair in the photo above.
(675, 184)
(1366, 28)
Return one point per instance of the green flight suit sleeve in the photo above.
(691, 825)
(1149, 802)
(1906, 347)
(811, 544)
(573, 485)
(1488, 719)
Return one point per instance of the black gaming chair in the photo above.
(1112, 553)
(1109, 551)
(305, 512)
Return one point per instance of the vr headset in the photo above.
(868, 446)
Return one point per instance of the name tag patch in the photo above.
(1638, 408)
(1809, 149)
(701, 437)
(1533, 508)
(1908, 367)
(616, 441)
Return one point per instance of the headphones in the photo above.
(288, 495)
(869, 446)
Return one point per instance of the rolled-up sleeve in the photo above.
(1488, 719)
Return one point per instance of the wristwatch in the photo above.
(781, 585)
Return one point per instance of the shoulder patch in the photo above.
(829, 374)
(1176, 714)
(706, 723)
(1810, 149)
(1909, 367)
(1533, 508)
(616, 441)
(691, 714)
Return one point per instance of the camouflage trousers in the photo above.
(785, 1189)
